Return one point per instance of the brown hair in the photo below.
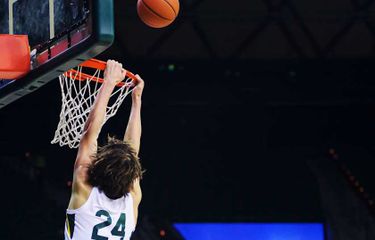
(114, 168)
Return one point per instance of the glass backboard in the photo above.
(62, 34)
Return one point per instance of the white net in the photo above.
(78, 98)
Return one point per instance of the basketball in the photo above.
(158, 13)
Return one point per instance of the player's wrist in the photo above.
(137, 100)
(136, 96)
(109, 82)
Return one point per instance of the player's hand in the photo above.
(114, 73)
(138, 89)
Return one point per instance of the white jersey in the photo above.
(101, 218)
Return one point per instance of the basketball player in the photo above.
(106, 191)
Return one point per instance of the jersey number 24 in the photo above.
(118, 230)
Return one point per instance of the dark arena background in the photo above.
(256, 114)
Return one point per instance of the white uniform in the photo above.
(101, 218)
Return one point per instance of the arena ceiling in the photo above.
(256, 29)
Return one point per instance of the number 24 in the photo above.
(118, 230)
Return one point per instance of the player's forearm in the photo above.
(96, 117)
(134, 129)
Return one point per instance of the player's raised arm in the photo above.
(134, 128)
(133, 137)
(113, 74)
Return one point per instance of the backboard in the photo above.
(62, 33)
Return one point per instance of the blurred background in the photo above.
(258, 111)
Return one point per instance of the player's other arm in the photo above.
(134, 129)
(133, 136)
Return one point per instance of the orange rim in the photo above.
(95, 64)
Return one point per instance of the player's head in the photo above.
(114, 168)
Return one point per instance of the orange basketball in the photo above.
(158, 13)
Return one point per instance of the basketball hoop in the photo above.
(79, 88)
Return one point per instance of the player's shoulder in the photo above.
(80, 188)
(136, 192)
(81, 180)
(137, 197)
